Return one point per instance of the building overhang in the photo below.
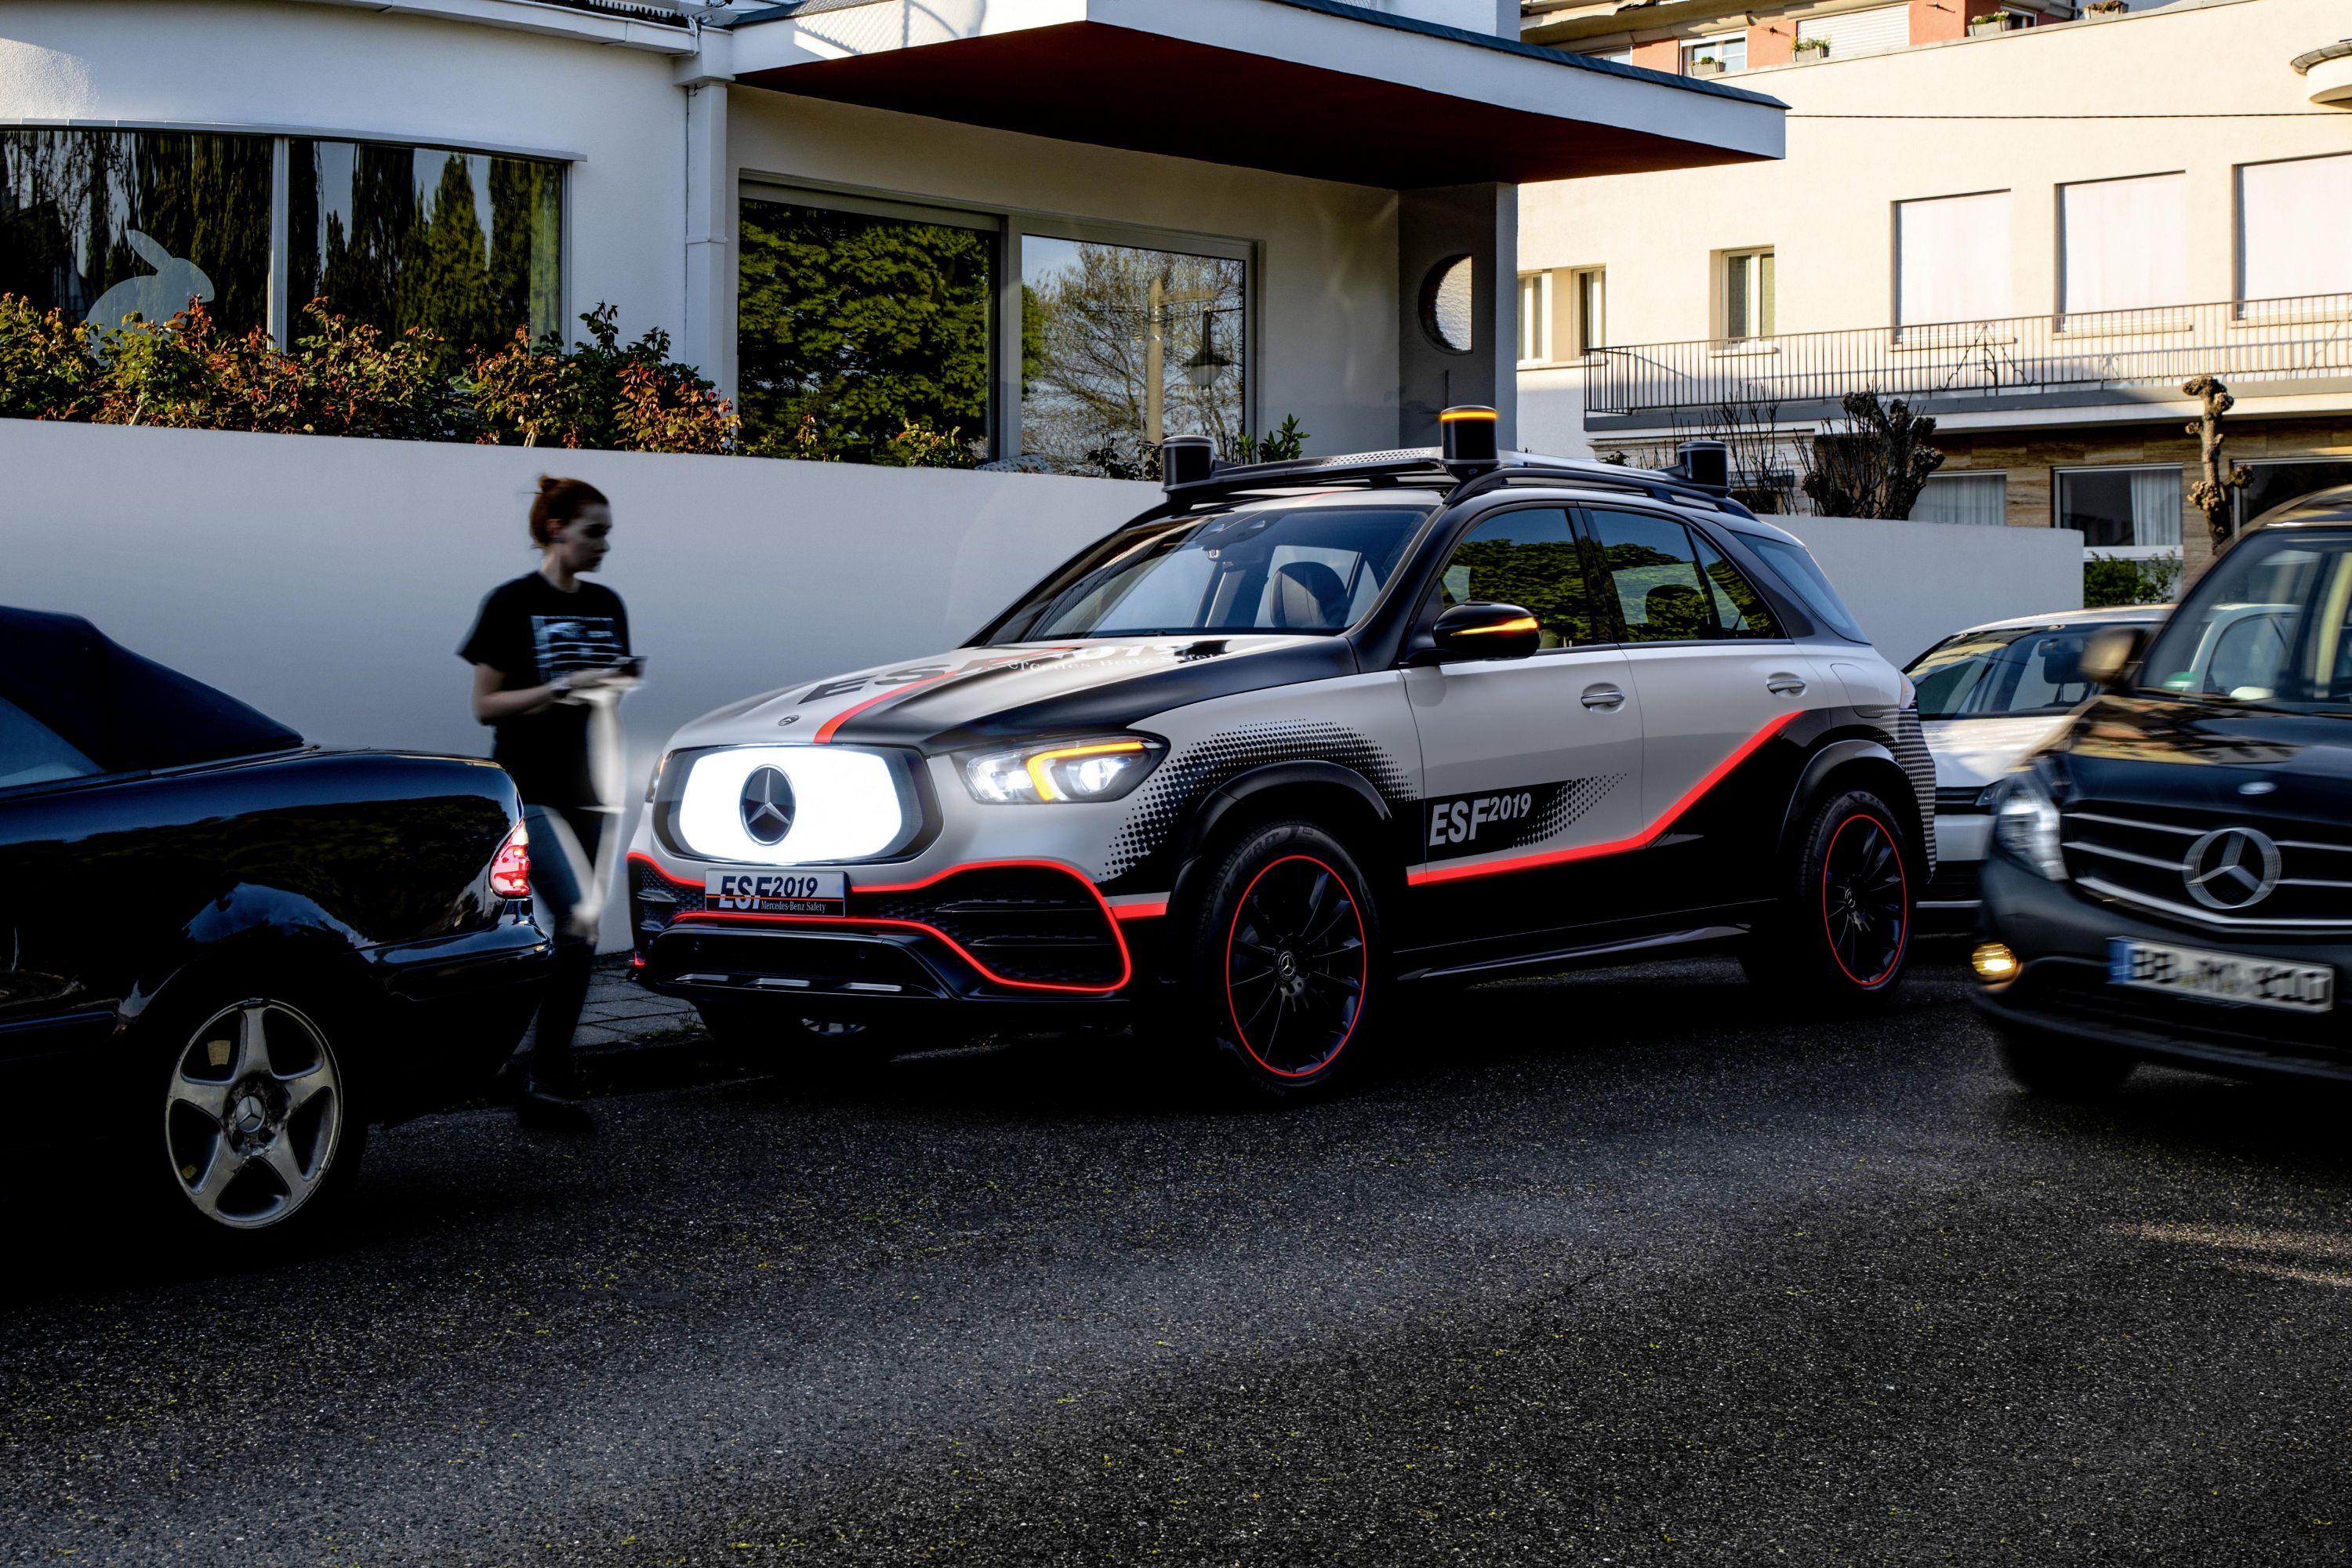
(1316, 88)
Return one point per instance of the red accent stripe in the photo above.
(826, 731)
(730, 917)
(1139, 912)
(1647, 837)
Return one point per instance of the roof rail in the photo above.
(1426, 462)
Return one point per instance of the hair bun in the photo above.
(547, 482)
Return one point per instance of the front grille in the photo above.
(2137, 854)
(1919, 766)
(1961, 800)
(1032, 924)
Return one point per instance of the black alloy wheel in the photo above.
(1287, 959)
(1866, 901)
(1841, 937)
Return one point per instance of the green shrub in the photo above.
(46, 371)
(2112, 580)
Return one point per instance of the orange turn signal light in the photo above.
(1993, 960)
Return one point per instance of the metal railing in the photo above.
(2017, 361)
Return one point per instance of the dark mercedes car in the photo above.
(2171, 875)
(243, 948)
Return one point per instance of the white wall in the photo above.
(1910, 583)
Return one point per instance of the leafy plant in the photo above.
(46, 368)
(1283, 445)
(601, 394)
(2113, 580)
(1802, 43)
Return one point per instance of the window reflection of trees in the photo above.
(1545, 579)
(1088, 318)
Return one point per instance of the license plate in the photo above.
(777, 892)
(2221, 976)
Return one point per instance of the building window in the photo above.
(1623, 56)
(462, 244)
(105, 223)
(1590, 300)
(1123, 345)
(2277, 481)
(1747, 294)
(1728, 49)
(1535, 317)
(2124, 244)
(1952, 260)
(864, 337)
(2294, 229)
(1872, 32)
(2128, 509)
(1979, 500)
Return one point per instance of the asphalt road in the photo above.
(1615, 1271)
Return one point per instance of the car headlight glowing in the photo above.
(2025, 822)
(1062, 773)
(788, 805)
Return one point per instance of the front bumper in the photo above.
(2060, 937)
(1019, 940)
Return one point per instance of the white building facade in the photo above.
(2037, 235)
(1041, 232)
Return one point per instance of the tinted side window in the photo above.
(1661, 592)
(32, 752)
(1531, 559)
(1740, 610)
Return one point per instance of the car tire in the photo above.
(1283, 962)
(244, 1135)
(1841, 936)
(2060, 1066)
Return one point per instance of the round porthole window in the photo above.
(1448, 313)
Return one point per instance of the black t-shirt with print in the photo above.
(532, 631)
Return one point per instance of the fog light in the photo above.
(1993, 960)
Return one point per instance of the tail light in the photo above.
(510, 870)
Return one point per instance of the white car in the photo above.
(1987, 697)
(1304, 734)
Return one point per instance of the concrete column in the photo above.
(1434, 227)
(708, 187)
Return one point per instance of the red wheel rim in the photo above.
(1866, 901)
(1296, 967)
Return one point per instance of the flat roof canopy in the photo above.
(1318, 88)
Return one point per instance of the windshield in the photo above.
(2270, 627)
(1798, 570)
(2014, 672)
(1292, 568)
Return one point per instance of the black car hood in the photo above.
(2155, 752)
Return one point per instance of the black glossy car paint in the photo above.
(362, 876)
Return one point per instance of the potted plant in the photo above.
(1989, 22)
(1804, 51)
(2108, 7)
(1706, 65)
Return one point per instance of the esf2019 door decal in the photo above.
(1457, 824)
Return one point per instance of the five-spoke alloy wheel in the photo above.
(256, 1116)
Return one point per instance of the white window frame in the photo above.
(1693, 48)
(1584, 339)
(2058, 476)
(1538, 328)
(1012, 224)
(2251, 309)
(1757, 304)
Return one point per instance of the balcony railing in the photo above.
(1956, 367)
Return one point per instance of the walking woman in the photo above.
(543, 647)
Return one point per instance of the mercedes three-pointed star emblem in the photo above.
(2231, 869)
(767, 805)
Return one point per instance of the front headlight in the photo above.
(2025, 822)
(1062, 772)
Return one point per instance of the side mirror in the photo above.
(2106, 654)
(1486, 631)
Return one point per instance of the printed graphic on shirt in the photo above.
(566, 643)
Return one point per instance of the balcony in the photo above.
(2019, 363)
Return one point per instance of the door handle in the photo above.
(1785, 685)
(1603, 699)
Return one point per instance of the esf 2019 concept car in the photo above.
(1304, 734)
(239, 948)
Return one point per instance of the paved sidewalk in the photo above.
(619, 1012)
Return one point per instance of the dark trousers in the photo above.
(563, 842)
